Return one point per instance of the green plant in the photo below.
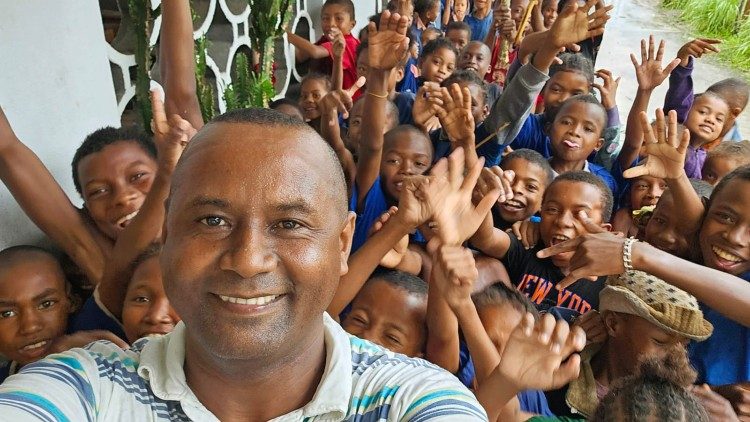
(204, 89)
(142, 19)
(715, 18)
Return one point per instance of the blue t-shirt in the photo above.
(92, 317)
(723, 358)
(404, 103)
(479, 27)
(409, 82)
(375, 204)
(491, 150)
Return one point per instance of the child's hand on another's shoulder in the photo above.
(171, 135)
(665, 150)
(696, 48)
(455, 273)
(649, 72)
(389, 44)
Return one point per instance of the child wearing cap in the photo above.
(645, 317)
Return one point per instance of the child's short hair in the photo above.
(593, 180)
(733, 90)
(458, 26)
(405, 281)
(532, 157)
(587, 99)
(432, 29)
(467, 76)
(391, 112)
(499, 294)
(413, 130)
(13, 254)
(703, 189)
(152, 250)
(435, 45)
(276, 104)
(739, 152)
(573, 63)
(317, 76)
(421, 6)
(652, 393)
(348, 4)
(101, 138)
(742, 173)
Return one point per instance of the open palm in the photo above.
(389, 44)
(575, 23)
(665, 151)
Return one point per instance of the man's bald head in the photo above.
(294, 132)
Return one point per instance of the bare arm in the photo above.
(178, 62)
(42, 199)
(304, 50)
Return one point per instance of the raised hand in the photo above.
(393, 257)
(338, 43)
(389, 44)
(717, 407)
(592, 324)
(608, 88)
(696, 48)
(649, 72)
(541, 355)
(171, 135)
(596, 253)
(424, 110)
(503, 23)
(575, 23)
(494, 179)
(340, 101)
(455, 217)
(454, 274)
(666, 149)
(455, 114)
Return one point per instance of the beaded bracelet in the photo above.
(627, 250)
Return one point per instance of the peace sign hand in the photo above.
(171, 135)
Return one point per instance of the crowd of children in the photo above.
(496, 189)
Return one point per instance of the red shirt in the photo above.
(349, 59)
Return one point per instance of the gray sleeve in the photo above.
(516, 103)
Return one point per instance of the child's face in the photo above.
(563, 202)
(706, 118)
(562, 86)
(459, 38)
(481, 4)
(459, 9)
(405, 155)
(549, 13)
(146, 310)
(636, 339)
(336, 15)
(645, 191)
(499, 321)
(716, 167)
(479, 108)
(517, 7)
(576, 131)
(114, 182)
(725, 234)
(528, 190)
(34, 308)
(431, 14)
(666, 230)
(390, 317)
(311, 92)
(476, 57)
(438, 65)
(354, 132)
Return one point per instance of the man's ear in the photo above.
(611, 322)
(485, 110)
(606, 226)
(345, 241)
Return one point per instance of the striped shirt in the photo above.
(361, 382)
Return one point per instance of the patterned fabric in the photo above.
(362, 382)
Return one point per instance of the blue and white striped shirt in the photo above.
(361, 382)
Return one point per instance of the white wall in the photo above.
(55, 88)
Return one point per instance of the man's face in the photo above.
(256, 238)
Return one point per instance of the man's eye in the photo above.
(7, 314)
(141, 299)
(214, 221)
(137, 177)
(288, 225)
(46, 304)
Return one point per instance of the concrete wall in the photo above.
(54, 90)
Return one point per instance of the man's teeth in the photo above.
(721, 253)
(127, 217)
(35, 345)
(257, 301)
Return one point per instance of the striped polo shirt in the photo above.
(361, 382)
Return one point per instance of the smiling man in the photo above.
(256, 237)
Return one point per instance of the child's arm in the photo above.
(171, 136)
(42, 199)
(400, 257)
(457, 121)
(613, 138)
(679, 96)
(539, 356)
(598, 254)
(488, 239)
(666, 158)
(388, 45)
(650, 75)
(178, 62)
(447, 10)
(511, 111)
(337, 48)
(304, 50)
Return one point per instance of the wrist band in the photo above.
(627, 257)
(377, 95)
